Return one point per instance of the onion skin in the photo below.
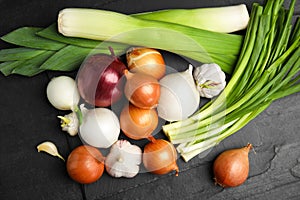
(160, 157)
(138, 123)
(231, 168)
(85, 164)
(146, 60)
(142, 90)
(100, 80)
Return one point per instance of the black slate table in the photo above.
(27, 119)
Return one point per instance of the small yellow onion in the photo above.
(142, 90)
(138, 123)
(231, 167)
(146, 60)
(159, 157)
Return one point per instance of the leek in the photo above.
(225, 19)
(201, 45)
(33, 41)
(267, 69)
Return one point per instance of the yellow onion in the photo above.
(159, 157)
(146, 60)
(85, 164)
(138, 123)
(231, 167)
(142, 90)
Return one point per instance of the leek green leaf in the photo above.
(26, 37)
(19, 53)
(31, 67)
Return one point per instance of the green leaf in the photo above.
(7, 67)
(67, 59)
(31, 67)
(19, 53)
(26, 37)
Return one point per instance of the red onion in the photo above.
(99, 79)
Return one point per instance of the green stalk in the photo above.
(201, 146)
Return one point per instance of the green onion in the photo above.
(267, 69)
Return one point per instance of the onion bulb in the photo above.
(100, 127)
(146, 60)
(142, 90)
(160, 157)
(62, 93)
(179, 97)
(85, 164)
(138, 123)
(100, 80)
(231, 167)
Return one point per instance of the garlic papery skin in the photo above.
(62, 93)
(179, 97)
(210, 80)
(70, 123)
(123, 159)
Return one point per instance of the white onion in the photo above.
(62, 93)
(100, 127)
(179, 97)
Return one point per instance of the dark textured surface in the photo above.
(27, 119)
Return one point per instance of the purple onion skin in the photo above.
(100, 81)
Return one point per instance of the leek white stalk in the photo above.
(198, 44)
(225, 19)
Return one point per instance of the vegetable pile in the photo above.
(263, 66)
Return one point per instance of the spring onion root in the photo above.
(267, 69)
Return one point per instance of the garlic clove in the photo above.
(49, 148)
(210, 80)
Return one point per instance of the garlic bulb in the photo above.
(179, 97)
(123, 159)
(210, 80)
